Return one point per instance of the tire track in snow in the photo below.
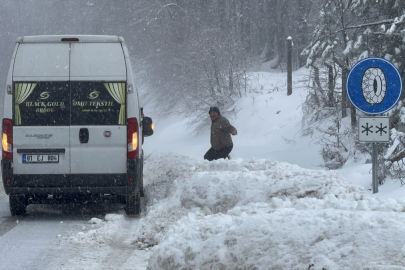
(121, 246)
(9, 223)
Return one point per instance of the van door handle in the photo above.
(84, 135)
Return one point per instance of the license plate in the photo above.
(40, 158)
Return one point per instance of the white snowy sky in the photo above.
(270, 207)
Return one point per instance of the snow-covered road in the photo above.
(49, 237)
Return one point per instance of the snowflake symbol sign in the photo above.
(367, 129)
(374, 85)
(374, 129)
(381, 129)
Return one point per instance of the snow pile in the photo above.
(257, 213)
(261, 236)
(102, 232)
(160, 171)
(155, 225)
(223, 184)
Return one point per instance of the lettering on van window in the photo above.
(39, 136)
(44, 105)
(97, 103)
(93, 103)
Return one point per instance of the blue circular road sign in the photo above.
(374, 85)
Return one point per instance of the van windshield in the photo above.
(69, 103)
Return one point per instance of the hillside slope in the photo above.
(268, 123)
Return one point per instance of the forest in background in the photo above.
(187, 54)
(346, 32)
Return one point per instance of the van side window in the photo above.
(41, 103)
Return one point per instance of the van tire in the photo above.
(18, 205)
(133, 204)
(141, 191)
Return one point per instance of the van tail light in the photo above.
(132, 138)
(7, 140)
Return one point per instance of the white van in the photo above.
(71, 122)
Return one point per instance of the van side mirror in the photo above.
(147, 126)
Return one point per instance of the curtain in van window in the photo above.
(22, 91)
(117, 91)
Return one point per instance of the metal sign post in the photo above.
(375, 130)
(374, 87)
(374, 168)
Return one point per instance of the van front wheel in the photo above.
(133, 204)
(18, 205)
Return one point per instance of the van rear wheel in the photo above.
(133, 204)
(141, 191)
(18, 205)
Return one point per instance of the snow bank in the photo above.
(99, 232)
(259, 236)
(247, 214)
(160, 171)
(239, 182)
(257, 214)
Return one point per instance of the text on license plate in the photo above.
(40, 158)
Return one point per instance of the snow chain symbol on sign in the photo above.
(374, 85)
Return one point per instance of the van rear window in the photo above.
(98, 103)
(69, 103)
(41, 103)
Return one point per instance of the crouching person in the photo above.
(221, 141)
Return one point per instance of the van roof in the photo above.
(58, 39)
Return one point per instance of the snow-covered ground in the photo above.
(262, 214)
(268, 124)
(270, 207)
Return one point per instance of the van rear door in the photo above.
(41, 113)
(98, 114)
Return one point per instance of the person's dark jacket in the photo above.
(220, 133)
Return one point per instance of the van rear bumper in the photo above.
(120, 184)
(128, 190)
